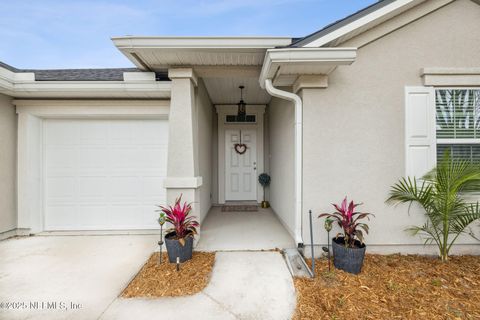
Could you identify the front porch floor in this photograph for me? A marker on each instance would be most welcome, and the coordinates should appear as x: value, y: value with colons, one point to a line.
x: 240, y: 231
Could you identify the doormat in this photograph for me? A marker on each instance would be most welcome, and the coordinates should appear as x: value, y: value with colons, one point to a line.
x: 239, y: 208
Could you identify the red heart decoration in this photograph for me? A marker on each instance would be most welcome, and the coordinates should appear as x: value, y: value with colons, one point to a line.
x: 240, y: 148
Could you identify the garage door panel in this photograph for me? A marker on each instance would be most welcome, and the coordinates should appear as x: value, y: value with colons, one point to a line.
x: 151, y: 185
x: 70, y: 133
x: 61, y: 187
x: 60, y: 157
x: 125, y: 157
x: 92, y: 217
x: 153, y: 158
x: 126, y: 187
x: 93, y: 133
x: 92, y: 188
x: 60, y: 217
x: 152, y: 135
x: 109, y: 177
x: 126, y: 216
x: 92, y: 157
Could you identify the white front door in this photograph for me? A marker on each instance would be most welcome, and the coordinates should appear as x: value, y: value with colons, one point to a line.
x: 240, y: 168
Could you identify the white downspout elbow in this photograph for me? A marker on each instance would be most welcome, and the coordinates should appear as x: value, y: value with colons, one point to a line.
x: 298, y: 153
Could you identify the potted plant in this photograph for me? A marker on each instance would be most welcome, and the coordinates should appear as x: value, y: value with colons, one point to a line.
x: 349, y: 247
x: 264, y: 180
x: 179, y: 238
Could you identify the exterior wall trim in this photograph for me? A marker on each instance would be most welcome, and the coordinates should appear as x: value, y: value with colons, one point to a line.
x: 30, y: 155
x: 450, y: 76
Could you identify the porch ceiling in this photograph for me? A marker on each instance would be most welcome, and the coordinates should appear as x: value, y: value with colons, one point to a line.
x: 225, y: 90
x: 160, y: 53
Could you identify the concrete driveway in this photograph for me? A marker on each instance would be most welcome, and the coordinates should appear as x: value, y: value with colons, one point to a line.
x: 83, y: 275
x: 80, y: 277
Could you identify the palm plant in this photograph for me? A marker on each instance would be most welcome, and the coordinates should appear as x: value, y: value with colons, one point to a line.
x: 441, y: 194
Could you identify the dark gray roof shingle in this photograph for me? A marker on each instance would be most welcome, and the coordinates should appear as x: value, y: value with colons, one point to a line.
x: 104, y: 74
x: 82, y: 74
x: 340, y: 23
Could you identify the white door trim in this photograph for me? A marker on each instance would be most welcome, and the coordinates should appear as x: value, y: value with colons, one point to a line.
x: 30, y: 155
x: 222, y: 112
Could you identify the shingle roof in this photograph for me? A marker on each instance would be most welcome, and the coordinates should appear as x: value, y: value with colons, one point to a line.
x: 104, y: 74
x: 8, y: 67
x: 340, y: 23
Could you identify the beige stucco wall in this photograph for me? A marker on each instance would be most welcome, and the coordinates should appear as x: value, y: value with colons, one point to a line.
x: 281, y: 160
x: 354, y: 130
x: 204, y: 110
x: 8, y: 167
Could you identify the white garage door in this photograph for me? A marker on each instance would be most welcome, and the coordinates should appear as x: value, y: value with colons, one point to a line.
x: 104, y: 174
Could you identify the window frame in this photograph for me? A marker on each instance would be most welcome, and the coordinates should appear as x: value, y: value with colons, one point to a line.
x: 453, y: 141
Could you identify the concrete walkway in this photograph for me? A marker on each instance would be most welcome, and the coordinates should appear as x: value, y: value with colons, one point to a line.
x: 244, y: 285
x: 228, y: 231
x: 91, y: 271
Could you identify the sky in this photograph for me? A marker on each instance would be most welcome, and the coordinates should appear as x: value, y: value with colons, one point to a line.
x: 56, y: 34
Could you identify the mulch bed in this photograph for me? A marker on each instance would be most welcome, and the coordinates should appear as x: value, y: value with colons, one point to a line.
x: 393, y: 287
x: 163, y: 280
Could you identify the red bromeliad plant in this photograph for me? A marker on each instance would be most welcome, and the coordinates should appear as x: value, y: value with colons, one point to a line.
x: 347, y: 218
x: 183, y: 224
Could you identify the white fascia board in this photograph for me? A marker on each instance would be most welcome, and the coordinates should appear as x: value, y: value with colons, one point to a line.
x: 86, y: 87
x: 132, y: 42
x: 139, y: 76
x: 7, y: 81
x: 370, y: 18
x: 275, y: 58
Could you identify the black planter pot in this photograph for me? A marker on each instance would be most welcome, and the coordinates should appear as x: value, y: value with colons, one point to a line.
x: 175, y: 249
x: 348, y: 259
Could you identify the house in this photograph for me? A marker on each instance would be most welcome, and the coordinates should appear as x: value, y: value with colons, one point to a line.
x: 346, y: 110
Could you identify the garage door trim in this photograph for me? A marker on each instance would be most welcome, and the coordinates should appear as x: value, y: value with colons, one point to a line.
x: 31, y: 116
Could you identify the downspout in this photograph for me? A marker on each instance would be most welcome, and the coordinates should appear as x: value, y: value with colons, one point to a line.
x: 298, y: 153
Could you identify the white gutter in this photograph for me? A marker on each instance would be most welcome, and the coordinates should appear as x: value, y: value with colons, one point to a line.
x: 203, y: 43
x: 298, y: 153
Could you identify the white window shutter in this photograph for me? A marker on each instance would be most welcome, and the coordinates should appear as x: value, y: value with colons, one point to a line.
x: 420, y: 130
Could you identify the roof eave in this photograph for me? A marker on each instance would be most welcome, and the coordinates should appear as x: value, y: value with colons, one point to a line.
x: 261, y: 42
x: 192, y: 51
x: 364, y: 19
x: 135, y: 84
x: 319, y: 61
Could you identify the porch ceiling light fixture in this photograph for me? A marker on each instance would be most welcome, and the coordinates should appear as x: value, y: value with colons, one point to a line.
x: 242, y: 106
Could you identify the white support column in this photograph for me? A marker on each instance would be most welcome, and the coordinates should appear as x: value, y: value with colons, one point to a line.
x: 183, y: 168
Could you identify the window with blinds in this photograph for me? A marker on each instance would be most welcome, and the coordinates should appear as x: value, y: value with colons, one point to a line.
x: 458, y: 123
